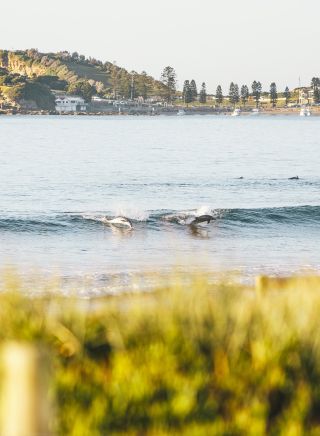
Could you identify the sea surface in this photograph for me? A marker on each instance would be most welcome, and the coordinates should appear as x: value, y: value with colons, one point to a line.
x: 61, y: 176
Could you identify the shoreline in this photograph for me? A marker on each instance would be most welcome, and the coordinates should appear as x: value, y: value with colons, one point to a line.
x: 315, y: 111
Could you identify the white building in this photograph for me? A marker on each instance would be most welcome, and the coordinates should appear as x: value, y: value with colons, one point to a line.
x: 70, y: 103
x: 305, y: 96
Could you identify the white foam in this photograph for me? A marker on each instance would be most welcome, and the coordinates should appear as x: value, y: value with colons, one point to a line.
x: 92, y: 217
x: 132, y: 213
x: 204, y: 210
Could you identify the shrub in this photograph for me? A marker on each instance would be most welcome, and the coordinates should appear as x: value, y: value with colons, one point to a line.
x: 192, y: 359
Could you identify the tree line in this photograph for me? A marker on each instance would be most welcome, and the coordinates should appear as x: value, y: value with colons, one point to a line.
x: 234, y: 96
x: 189, y: 92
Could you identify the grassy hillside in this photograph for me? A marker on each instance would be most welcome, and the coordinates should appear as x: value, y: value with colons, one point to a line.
x: 89, y: 72
x: 106, y: 78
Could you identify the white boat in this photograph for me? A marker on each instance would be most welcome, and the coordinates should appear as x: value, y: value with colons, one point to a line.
x: 305, y: 112
x: 236, y: 113
x: 255, y: 111
x: 181, y: 112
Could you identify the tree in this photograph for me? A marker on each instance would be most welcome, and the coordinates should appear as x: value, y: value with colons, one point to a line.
x: 234, y: 93
x: 203, y: 94
x: 187, y: 92
x: 14, y: 93
x: 194, y: 90
x: 273, y: 94
x: 287, y: 95
x: 315, y: 84
x: 83, y: 89
x: 231, y: 93
x: 133, y: 94
x: 186, y: 85
x: 316, y: 95
x: 219, y: 95
x: 236, y: 96
x: 169, y: 80
x: 124, y: 83
x: 143, y: 85
x: 188, y: 98
x: 114, y: 76
x: 256, y: 91
x: 100, y: 88
x: 244, y: 94
x: 32, y: 91
x: 53, y: 82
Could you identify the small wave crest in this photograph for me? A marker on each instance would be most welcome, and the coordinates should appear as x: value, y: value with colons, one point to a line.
x: 187, y: 216
x: 32, y: 224
x: 132, y: 213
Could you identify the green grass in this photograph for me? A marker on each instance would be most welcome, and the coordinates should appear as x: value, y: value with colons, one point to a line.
x: 89, y: 72
x: 189, y: 359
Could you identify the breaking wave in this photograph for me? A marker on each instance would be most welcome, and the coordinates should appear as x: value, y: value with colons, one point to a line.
x: 258, y: 217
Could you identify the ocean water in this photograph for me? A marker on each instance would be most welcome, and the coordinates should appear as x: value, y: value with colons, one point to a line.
x: 61, y: 176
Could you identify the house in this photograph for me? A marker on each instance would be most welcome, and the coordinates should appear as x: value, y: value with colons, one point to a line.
x: 70, y: 103
x: 305, y: 95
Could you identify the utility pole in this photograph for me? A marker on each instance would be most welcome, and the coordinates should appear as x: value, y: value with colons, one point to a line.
x: 132, y: 84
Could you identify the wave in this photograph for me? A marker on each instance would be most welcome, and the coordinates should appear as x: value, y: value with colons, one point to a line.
x: 23, y: 224
x: 255, y: 217
x: 293, y: 215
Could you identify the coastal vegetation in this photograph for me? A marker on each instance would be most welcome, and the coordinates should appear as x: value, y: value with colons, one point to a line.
x: 203, y: 94
x: 273, y: 94
x: 193, y: 357
x: 31, y: 79
x: 219, y: 95
x: 18, y: 88
x: 77, y: 74
x: 244, y: 94
x: 169, y: 80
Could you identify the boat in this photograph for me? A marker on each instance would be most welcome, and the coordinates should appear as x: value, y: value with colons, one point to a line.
x: 255, y: 111
x: 236, y: 113
x: 305, y: 112
x: 181, y: 112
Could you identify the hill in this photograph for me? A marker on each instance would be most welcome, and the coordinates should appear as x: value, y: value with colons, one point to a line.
x: 105, y: 79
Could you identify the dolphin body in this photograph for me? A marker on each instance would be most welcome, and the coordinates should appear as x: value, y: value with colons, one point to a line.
x: 120, y: 221
x: 202, y: 219
x: 294, y: 178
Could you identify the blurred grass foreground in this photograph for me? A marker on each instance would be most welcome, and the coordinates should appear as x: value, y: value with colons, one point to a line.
x: 190, y: 358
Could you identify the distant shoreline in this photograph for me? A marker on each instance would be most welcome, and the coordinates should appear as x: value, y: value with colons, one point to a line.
x: 315, y: 111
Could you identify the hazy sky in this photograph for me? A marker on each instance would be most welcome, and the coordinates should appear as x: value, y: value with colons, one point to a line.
x: 208, y: 40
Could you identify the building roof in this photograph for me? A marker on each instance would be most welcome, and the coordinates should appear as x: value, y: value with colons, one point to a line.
x: 69, y: 97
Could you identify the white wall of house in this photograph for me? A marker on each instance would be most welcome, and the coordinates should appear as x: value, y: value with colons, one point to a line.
x: 306, y: 96
x: 70, y: 104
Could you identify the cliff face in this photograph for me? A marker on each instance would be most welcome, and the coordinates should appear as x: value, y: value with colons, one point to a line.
x: 33, y: 64
x: 17, y: 65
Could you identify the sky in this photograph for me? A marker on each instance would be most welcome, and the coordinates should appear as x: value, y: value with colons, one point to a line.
x: 211, y: 41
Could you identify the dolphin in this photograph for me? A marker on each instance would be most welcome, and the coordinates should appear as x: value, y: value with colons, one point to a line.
x: 202, y: 219
x: 294, y: 178
x: 120, y: 221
